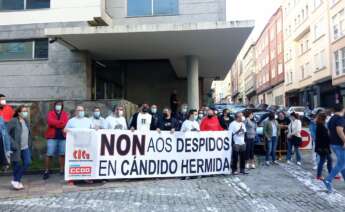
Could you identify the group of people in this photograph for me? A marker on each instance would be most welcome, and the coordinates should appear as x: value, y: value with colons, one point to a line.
x: 16, y: 137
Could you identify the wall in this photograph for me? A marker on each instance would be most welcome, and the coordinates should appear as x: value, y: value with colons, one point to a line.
x: 59, y: 11
x: 63, y: 76
x: 189, y: 11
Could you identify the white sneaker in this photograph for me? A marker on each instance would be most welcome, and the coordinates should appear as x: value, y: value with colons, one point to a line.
x: 20, y: 185
x: 253, y: 166
x: 267, y: 163
x: 299, y: 163
x: 247, y: 166
x: 288, y: 161
x: 15, y: 185
x: 314, y: 167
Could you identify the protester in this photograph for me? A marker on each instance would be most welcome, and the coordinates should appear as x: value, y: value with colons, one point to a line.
x: 336, y: 127
x: 142, y: 120
x: 250, y: 136
x: 294, y: 138
x: 20, y: 134
x: 168, y: 123
x: 283, y: 122
x: 312, y: 130
x: 237, y: 130
x: 6, y: 111
x: 174, y: 102
x: 322, y: 145
x: 116, y: 120
x: 79, y: 121
x: 211, y: 122
x: 156, y: 117
x: 182, y: 115
x: 5, y: 145
x: 191, y: 124
x: 225, y: 119
x: 98, y: 122
x: 271, y: 132
x: 56, y: 139
x: 200, y: 116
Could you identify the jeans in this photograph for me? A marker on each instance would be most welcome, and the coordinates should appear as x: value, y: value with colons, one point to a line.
x: 18, y: 169
x: 56, y: 146
x: 340, y: 166
x: 322, y: 160
x: 238, y: 151
x: 271, y: 148
x: 289, y: 151
x: 250, y: 148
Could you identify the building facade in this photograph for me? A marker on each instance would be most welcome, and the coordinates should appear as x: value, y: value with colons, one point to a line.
x: 106, y: 49
x: 249, y: 69
x: 269, y: 54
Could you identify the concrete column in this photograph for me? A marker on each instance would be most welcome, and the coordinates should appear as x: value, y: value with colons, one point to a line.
x: 193, y: 81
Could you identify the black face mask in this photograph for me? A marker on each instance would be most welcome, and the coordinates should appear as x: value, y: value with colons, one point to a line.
x: 209, y: 116
x: 1, y: 106
x: 165, y: 115
x: 145, y: 110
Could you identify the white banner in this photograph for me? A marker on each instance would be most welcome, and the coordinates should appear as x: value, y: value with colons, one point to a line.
x: 115, y: 154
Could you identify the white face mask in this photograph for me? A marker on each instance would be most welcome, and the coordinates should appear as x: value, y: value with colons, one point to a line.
x: 3, y: 102
x: 243, y: 118
x: 120, y: 113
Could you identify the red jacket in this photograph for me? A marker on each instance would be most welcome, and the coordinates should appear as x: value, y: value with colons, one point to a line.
x: 210, y: 124
x: 7, y: 113
x: 54, y: 123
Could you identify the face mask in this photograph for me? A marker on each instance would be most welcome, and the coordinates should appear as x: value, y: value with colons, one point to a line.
x: 165, y: 115
x: 184, y: 110
x: 145, y: 110
x: 120, y: 113
x: 24, y: 114
x: 209, y: 115
x: 3, y: 102
x: 243, y: 118
x: 201, y: 115
x: 58, y: 107
x: 81, y: 114
x: 196, y: 117
x: 154, y: 110
x: 97, y: 114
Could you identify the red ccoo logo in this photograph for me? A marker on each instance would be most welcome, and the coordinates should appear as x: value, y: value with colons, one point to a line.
x: 81, y: 154
x: 80, y: 170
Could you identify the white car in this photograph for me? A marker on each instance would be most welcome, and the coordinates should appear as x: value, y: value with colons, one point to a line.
x: 297, y: 109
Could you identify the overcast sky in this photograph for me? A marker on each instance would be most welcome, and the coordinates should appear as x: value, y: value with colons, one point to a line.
x: 258, y: 10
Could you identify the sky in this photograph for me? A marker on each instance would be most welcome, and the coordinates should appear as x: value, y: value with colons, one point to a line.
x: 258, y: 10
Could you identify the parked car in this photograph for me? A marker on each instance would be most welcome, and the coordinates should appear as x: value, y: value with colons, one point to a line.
x: 297, y: 109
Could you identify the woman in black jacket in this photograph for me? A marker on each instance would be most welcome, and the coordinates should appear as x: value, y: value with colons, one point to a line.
x: 322, y: 145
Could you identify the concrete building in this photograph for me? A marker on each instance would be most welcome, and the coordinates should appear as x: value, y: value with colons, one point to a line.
x: 249, y: 68
x: 123, y: 49
x: 337, y: 38
x: 307, y: 47
x: 269, y: 54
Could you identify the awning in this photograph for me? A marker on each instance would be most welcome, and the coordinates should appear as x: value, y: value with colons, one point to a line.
x: 216, y: 44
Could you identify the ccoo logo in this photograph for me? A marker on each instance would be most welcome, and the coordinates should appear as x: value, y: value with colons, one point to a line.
x: 81, y: 155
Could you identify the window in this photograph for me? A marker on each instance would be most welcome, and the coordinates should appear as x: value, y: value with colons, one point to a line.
x: 280, y: 68
x: 338, y: 26
x: 336, y: 63
x: 317, y: 3
x: 319, y: 29
x: 23, y: 4
x: 24, y: 50
x: 302, y: 72
x: 319, y: 60
x: 152, y: 7
x: 339, y: 62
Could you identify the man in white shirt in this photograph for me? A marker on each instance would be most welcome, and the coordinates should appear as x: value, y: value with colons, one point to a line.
x: 142, y: 120
x: 237, y: 130
x: 117, y: 120
x: 79, y: 120
x: 98, y: 122
x: 191, y: 124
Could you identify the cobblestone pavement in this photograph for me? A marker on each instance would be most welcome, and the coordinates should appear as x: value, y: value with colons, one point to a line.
x: 276, y: 188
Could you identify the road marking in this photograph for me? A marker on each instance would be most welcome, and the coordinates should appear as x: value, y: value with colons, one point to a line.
x: 242, y: 190
x: 308, y: 179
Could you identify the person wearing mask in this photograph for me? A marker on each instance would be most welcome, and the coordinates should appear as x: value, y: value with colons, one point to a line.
x: 283, y: 122
x: 211, y: 122
x: 225, y: 119
x: 182, y: 115
x: 336, y: 127
x: 322, y: 145
x: 250, y: 139
x: 98, y: 122
x: 237, y: 130
x: 312, y: 130
x: 200, y: 116
x: 79, y: 121
x: 294, y: 138
x: 174, y: 102
x: 6, y: 111
x: 116, y: 120
x: 5, y: 145
x: 271, y: 132
x: 156, y: 117
x: 191, y: 124
x: 21, y: 144
x: 168, y: 123
x: 56, y: 139
x: 142, y: 120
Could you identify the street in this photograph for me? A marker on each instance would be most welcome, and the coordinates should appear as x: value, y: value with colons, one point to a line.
x: 276, y: 188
